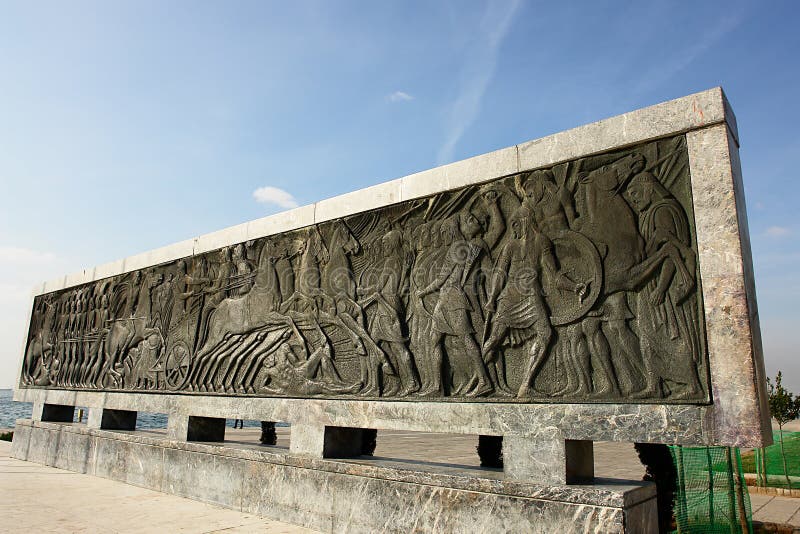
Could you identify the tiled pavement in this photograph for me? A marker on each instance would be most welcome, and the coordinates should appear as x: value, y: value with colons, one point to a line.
x: 772, y: 509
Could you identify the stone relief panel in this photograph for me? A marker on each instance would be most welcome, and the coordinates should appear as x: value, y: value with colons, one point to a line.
x: 576, y: 283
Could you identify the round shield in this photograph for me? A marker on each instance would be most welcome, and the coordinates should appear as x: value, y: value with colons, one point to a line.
x: 579, y: 261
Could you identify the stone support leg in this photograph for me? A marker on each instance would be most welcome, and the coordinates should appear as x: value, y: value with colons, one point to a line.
x: 56, y: 413
x: 111, y: 419
x: 547, y: 458
x: 191, y: 428
x: 326, y: 441
x: 307, y: 439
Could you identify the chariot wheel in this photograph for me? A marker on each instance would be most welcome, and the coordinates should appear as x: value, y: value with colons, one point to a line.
x: 176, y: 366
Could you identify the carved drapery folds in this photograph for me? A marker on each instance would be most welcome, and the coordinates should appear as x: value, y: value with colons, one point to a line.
x: 569, y: 284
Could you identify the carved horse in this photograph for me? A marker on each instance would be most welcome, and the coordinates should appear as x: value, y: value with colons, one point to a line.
x: 234, y: 317
x: 127, y: 331
x: 337, y: 276
x: 225, y: 352
x: 608, y: 221
x: 39, y: 348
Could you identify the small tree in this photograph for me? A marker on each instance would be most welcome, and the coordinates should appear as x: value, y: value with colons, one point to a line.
x: 784, y: 407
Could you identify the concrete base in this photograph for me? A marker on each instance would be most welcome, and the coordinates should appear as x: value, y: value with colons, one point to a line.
x: 357, y: 495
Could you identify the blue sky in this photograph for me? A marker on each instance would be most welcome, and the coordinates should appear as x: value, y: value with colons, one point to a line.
x: 125, y: 126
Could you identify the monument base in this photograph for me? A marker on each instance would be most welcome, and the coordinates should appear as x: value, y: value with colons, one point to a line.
x: 358, y: 495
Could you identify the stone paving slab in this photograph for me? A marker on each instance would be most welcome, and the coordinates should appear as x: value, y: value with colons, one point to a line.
x: 776, y: 509
x: 36, y: 498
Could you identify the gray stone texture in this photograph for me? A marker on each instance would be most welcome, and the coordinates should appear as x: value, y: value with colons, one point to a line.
x: 684, y: 425
x: 740, y: 415
x: 338, y: 496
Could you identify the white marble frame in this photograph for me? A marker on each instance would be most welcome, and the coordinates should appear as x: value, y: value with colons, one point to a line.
x: 738, y: 415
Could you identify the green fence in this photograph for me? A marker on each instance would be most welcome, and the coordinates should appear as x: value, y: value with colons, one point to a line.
x: 711, y: 495
x: 768, y: 463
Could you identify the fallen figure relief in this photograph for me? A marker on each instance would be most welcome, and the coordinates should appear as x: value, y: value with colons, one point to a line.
x: 573, y: 283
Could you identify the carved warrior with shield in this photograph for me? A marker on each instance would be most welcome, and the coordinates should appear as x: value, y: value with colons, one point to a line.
x: 569, y: 283
x: 516, y: 296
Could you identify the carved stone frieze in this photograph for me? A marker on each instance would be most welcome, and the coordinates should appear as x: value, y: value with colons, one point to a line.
x: 573, y: 283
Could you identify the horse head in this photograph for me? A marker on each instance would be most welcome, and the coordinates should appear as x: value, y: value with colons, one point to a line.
x: 343, y: 238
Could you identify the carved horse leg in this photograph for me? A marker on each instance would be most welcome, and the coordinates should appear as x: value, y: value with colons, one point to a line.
x: 208, y: 368
x: 227, y: 375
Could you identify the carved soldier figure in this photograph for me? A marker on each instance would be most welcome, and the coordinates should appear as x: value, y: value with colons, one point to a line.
x: 451, y: 316
x: 267, y: 278
x: 242, y: 280
x: 216, y: 292
x: 180, y: 291
x: 150, y: 361
x: 386, y: 326
x: 288, y: 372
x: 80, y: 312
x: 308, y: 277
x: 516, y: 295
x: 420, y: 318
x: 285, y: 251
x: 40, y: 348
x: 549, y: 205
x: 667, y: 311
x: 337, y: 275
x: 163, y: 302
x: 97, y: 307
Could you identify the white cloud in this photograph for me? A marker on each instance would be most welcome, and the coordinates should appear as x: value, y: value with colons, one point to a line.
x: 399, y: 96
x: 274, y: 195
x: 478, y: 69
x: 25, y: 256
x: 777, y: 231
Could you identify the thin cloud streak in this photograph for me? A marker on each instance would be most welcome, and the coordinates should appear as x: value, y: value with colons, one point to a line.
x: 275, y: 195
x: 477, y: 73
x: 664, y: 71
x: 399, y: 96
x: 777, y: 231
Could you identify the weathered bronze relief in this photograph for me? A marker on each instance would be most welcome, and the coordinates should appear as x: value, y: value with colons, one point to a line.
x: 569, y: 284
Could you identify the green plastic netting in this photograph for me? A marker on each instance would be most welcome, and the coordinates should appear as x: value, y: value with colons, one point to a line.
x: 768, y: 463
x: 711, y: 495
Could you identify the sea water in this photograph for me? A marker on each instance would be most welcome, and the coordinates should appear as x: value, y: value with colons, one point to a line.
x: 11, y: 410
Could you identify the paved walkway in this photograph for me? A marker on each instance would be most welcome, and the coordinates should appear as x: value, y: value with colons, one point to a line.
x: 44, y: 499
x: 36, y: 498
x: 772, y: 509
